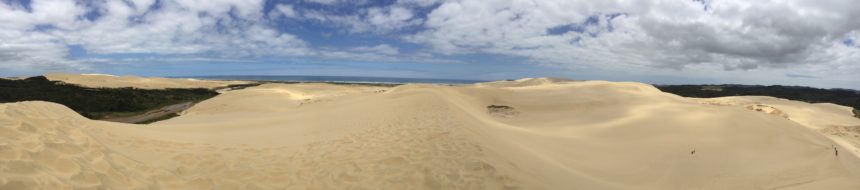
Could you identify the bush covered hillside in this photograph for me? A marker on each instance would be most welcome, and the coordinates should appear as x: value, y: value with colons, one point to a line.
x: 97, y: 103
x: 845, y: 97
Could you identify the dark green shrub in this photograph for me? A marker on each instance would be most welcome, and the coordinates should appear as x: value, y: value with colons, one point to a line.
x: 96, y: 103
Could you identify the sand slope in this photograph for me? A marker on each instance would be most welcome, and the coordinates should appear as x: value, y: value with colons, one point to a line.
x: 111, y: 81
x: 834, y: 121
x: 541, y: 135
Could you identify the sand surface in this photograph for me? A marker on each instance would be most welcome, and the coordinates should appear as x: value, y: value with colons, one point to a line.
x: 152, y: 115
x: 111, y: 81
x: 525, y: 134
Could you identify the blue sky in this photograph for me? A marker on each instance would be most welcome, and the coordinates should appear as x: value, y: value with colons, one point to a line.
x: 653, y: 41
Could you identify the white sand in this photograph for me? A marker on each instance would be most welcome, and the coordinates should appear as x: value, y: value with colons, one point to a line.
x: 564, y: 135
x: 111, y: 81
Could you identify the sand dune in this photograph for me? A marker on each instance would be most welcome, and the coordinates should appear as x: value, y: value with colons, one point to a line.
x: 525, y: 134
x: 111, y: 81
x: 524, y: 82
x: 834, y: 121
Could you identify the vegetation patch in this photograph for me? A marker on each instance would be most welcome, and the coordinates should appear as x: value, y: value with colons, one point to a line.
x: 98, y: 103
x: 238, y: 86
x: 502, y: 111
x: 845, y: 97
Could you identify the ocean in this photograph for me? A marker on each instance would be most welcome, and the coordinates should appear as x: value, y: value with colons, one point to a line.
x: 346, y: 79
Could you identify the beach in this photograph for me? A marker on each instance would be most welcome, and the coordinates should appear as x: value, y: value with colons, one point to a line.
x: 533, y: 133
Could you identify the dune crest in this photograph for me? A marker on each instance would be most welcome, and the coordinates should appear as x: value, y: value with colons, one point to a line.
x: 525, y: 82
x: 524, y: 134
x: 111, y: 81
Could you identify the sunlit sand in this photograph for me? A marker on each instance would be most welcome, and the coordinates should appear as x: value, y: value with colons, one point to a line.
x: 527, y: 134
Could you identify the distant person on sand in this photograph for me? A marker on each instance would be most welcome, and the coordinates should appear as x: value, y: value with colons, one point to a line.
x: 835, y: 151
x: 693, y: 152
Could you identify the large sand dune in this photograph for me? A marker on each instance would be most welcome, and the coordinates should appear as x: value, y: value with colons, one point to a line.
x: 526, y: 134
x: 111, y: 81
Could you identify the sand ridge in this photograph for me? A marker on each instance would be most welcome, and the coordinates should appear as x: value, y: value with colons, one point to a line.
x: 111, y: 81
x: 565, y: 135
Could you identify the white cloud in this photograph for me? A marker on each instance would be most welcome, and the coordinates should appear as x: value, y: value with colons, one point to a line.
x: 186, y: 27
x: 733, y: 35
x: 286, y: 10
x: 223, y: 28
x: 383, y: 49
x: 22, y: 51
x: 380, y: 53
x: 377, y: 19
x: 746, y: 40
x: 388, y: 19
x: 59, y: 13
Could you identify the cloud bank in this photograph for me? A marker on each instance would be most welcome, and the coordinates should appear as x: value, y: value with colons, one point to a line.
x: 752, y: 40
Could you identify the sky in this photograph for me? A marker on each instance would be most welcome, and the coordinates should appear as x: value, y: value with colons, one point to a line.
x: 787, y: 42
